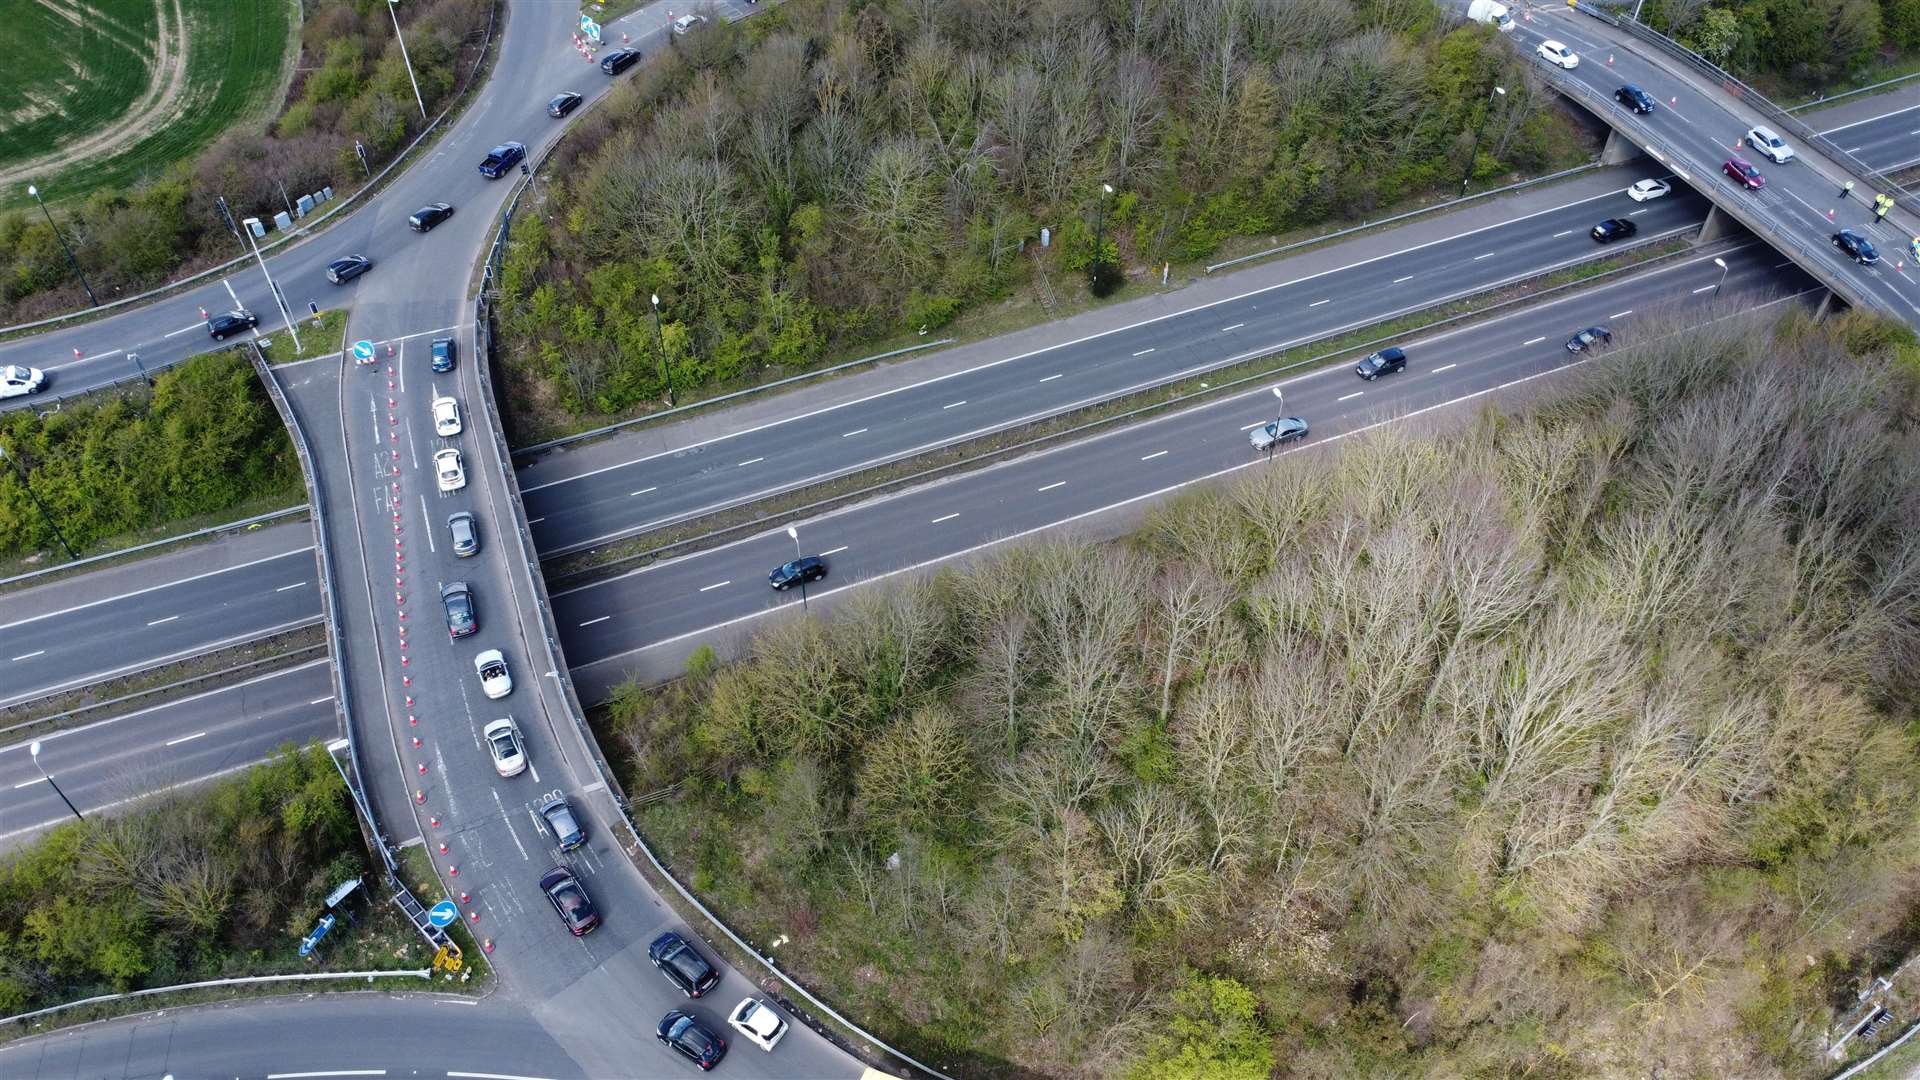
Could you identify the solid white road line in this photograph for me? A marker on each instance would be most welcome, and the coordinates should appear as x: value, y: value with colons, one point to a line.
x: 1235, y: 326
x: 1143, y: 352
x: 947, y: 517
x: 834, y: 551
x: 29, y: 783
x: 1443, y: 367
x: 1050, y: 378
x: 1488, y: 255
x: 295, y: 585
x: 151, y: 588
x: 1558, y: 235
x: 1055, y: 484
x: 168, y: 619
x: 955, y: 405
x: 1345, y: 397
x: 321, y: 700
x: 1398, y: 280
x: 750, y: 461
x: 601, y: 619
x: 29, y: 656
x: 336, y: 1072
x: 1317, y: 303
x: 1155, y: 454
x: 1533, y: 341
x: 644, y: 490
x: 1704, y: 288
x: 851, y: 434
x: 538, y: 520
x: 1621, y: 314
x: 427, y: 519
x: 182, y: 330
x: 716, y: 585
x: 490, y: 1076
x: 185, y: 738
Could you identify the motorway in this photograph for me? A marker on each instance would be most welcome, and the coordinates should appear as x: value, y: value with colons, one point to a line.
x: 609, y: 625
x: 1701, y: 125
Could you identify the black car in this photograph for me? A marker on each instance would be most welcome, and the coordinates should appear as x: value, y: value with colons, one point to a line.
x: 689, y: 1038
x: 466, y: 534
x: 798, y: 572
x: 619, y: 60
x: 683, y: 967
x: 231, y: 322
x: 1858, y: 248
x: 428, y: 216
x: 347, y: 267
x: 559, y: 816
x: 570, y: 899
x: 1384, y: 362
x: 501, y: 158
x: 563, y: 103
x: 1634, y: 98
x: 1614, y: 228
x: 458, y: 599
x: 446, y: 353
x: 1591, y: 337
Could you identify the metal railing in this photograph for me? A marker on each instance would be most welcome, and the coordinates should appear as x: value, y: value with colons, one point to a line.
x: 243, y: 523
x: 251, y: 980
x: 373, y: 183
x: 323, y: 561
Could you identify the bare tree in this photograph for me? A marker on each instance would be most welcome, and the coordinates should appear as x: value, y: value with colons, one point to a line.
x: 1188, y: 604
x: 1152, y: 837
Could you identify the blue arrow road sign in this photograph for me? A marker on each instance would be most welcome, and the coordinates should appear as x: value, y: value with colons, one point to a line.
x: 443, y: 913
x: 363, y: 351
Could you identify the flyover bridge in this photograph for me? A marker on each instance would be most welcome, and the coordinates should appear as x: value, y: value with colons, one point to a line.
x: 1700, y: 120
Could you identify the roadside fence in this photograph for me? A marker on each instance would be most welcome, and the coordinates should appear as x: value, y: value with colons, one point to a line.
x: 254, y: 980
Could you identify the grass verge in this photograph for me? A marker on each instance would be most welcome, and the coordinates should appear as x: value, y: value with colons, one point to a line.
x: 568, y: 571
x: 318, y: 337
x: 160, y: 684
x: 476, y: 972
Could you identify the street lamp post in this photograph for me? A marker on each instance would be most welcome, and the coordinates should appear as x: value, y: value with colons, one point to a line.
x: 660, y: 341
x: 42, y: 507
x: 795, y: 533
x: 1722, y: 264
x: 394, y: 10
x: 1498, y: 92
x: 1279, y: 414
x: 140, y: 367
x: 278, y: 300
x: 33, y: 748
x: 58, y: 235
x: 1099, y: 234
x: 360, y: 149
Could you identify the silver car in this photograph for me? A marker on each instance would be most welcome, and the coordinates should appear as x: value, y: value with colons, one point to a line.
x: 1277, y: 432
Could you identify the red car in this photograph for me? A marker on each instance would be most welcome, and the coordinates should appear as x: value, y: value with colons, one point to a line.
x: 1742, y: 172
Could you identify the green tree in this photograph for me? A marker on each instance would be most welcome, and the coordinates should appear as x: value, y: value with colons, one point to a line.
x: 1213, y: 1032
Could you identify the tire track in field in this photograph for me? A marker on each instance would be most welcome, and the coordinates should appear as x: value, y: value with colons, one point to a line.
x: 163, y: 101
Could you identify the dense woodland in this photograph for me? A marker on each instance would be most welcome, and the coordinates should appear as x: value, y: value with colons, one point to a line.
x: 204, y: 439
x: 1805, y: 44
x: 350, y: 84
x: 1579, y: 742
x: 218, y: 882
x: 831, y: 171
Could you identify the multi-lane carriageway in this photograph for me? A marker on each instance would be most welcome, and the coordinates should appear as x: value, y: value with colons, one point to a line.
x: 612, y: 625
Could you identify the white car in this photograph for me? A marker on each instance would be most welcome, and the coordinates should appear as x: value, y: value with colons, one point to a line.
x: 1765, y: 142
x: 503, y: 742
x: 687, y: 22
x: 446, y: 417
x: 452, y: 474
x: 491, y: 666
x: 1555, y: 53
x: 757, y: 1021
x: 1643, y: 190
x: 19, y: 381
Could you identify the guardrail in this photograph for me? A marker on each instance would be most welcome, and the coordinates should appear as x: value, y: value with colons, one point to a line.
x: 252, y: 980
x: 1402, y: 216
x: 323, y: 562
x: 373, y: 183
x: 1629, y: 126
x: 556, y: 662
x: 1733, y: 86
x: 243, y: 523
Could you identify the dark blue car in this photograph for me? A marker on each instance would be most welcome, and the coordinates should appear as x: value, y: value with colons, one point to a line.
x: 501, y: 158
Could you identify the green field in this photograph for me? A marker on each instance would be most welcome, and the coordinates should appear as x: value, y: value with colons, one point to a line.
x: 102, y: 92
